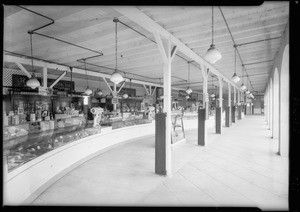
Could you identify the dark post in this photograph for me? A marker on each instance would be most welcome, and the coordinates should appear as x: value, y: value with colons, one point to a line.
x: 218, y: 120
x: 239, y: 112
x: 207, y: 110
x: 233, y: 114
x: 227, y: 117
x: 160, y: 143
x: 201, y: 127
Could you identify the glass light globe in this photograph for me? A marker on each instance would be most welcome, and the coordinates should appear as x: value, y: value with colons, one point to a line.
x: 213, y: 95
x: 88, y: 91
x: 33, y: 82
x: 187, y: 97
x: 100, y: 93
x: 235, y: 78
x: 189, y: 90
x: 213, y: 54
x: 116, y: 77
x: 243, y: 87
x: 125, y: 95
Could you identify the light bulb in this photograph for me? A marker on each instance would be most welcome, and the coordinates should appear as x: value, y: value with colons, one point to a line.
x: 189, y: 90
x: 235, y: 78
x: 213, y: 54
x: 243, y: 87
x: 116, y: 77
x: 88, y: 91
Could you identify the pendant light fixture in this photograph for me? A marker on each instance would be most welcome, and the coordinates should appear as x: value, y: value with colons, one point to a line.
x: 87, y: 91
x: 32, y: 82
x: 235, y: 78
x: 212, y: 83
x: 187, y: 96
x: 188, y: 90
x: 243, y: 87
x: 213, y: 54
x: 99, y: 91
x: 116, y: 77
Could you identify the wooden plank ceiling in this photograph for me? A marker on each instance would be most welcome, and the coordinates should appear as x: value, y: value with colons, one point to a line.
x: 93, y: 27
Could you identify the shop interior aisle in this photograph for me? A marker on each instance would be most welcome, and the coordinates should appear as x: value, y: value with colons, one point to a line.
x: 238, y: 168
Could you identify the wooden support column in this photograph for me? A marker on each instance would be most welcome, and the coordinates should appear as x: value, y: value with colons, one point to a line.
x: 114, y: 93
x: 228, y: 108
x: 218, y: 116
x: 233, y: 108
x: 167, y: 55
x: 45, y: 76
x: 202, y: 129
x: 229, y: 103
x: 204, y: 88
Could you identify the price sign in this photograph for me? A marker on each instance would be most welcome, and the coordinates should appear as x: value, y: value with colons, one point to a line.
x: 114, y: 101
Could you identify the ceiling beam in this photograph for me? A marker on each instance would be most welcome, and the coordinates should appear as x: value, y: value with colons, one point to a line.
x: 147, y: 23
x: 37, y: 63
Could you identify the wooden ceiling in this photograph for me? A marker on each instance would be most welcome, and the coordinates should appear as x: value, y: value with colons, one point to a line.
x: 253, y: 29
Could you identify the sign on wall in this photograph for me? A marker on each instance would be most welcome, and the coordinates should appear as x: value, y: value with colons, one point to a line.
x: 62, y: 85
x: 128, y: 91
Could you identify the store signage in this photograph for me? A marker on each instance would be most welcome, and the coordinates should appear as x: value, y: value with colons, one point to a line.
x: 62, y: 85
x: 45, y: 91
x: 130, y: 91
x: 114, y: 101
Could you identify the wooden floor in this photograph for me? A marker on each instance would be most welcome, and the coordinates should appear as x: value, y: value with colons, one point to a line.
x: 239, y: 168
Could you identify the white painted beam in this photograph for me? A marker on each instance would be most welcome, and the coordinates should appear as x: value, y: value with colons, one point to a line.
x: 121, y: 86
x: 168, y: 106
x: 146, y: 22
x: 160, y: 46
x: 220, y: 94
x: 229, y: 95
x: 45, y: 76
x: 107, y: 84
x: 146, y: 89
x: 153, y: 91
x: 23, y: 69
x: 234, y: 96
x: 173, y: 52
x: 57, y: 80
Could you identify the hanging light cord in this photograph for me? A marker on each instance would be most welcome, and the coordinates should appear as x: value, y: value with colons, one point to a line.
x: 212, y: 20
x: 31, y: 50
x: 116, y: 33
x: 235, y: 60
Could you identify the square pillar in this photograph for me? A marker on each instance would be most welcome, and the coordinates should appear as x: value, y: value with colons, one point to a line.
x: 229, y: 105
x: 227, y: 116
x: 204, y: 88
x: 202, y: 132
x: 233, y: 114
x: 218, y: 119
x: 239, y: 112
x: 160, y: 143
